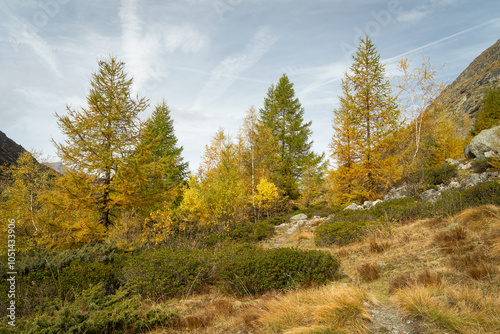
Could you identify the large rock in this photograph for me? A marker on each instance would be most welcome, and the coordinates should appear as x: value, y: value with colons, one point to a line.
x: 486, y: 141
x: 353, y: 206
x: 300, y: 216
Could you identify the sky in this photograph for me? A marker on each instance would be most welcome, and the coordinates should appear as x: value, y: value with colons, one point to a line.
x: 211, y: 60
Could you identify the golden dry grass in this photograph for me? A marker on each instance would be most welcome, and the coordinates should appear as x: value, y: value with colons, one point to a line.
x: 330, y: 308
x: 460, y: 309
x: 368, y: 271
x: 445, y: 274
x: 479, y: 216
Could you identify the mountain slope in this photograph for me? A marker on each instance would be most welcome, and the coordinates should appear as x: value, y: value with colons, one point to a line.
x: 9, y: 150
x: 464, y: 95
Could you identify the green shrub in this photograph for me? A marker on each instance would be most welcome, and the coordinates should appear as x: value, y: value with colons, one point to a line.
x: 80, y: 275
x: 489, y: 114
x: 339, y: 232
x: 46, y: 259
x: 277, y: 220
x: 482, y: 165
x: 250, y: 231
x: 454, y: 201
x: 38, y: 287
x: 402, y: 209
x: 166, y: 273
x: 93, y: 311
x: 248, y: 269
x: 440, y: 174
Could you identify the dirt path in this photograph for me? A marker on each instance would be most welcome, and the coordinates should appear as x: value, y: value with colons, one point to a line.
x: 386, y: 318
x: 297, y: 233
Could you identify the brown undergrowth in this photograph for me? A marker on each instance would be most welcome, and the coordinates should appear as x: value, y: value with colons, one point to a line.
x: 441, y: 273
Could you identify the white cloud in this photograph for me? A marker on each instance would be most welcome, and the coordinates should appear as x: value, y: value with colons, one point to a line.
x: 229, y: 69
x: 22, y: 32
x: 319, y: 77
x: 184, y: 38
x: 424, y: 9
x: 141, y: 50
x: 414, y: 15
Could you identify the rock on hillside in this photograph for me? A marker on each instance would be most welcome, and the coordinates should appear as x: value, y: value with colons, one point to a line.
x: 464, y: 95
x: 487, y: 141
x: 9, y: 150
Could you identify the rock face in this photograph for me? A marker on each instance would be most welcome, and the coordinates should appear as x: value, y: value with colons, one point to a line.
x: 485, y: 142
x: 9, y: 150
x: 465, y: 94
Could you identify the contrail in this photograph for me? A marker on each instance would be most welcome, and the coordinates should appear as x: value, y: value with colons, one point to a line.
x: 442, y: 40
x: 326, y: 82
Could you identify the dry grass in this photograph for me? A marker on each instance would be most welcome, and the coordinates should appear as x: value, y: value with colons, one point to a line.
x: 451, y: 239
x: 479, y: 217
x: 305, y: 236
x: 329, y: 309
x: 446, y: 275
x: 368, y: 272
x: 456, y: 308
x: 378, y: 245
x: 424, y: 278
x: 204, y: 313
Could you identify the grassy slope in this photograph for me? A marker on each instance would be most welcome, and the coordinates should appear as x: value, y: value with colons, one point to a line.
x: 436, y: 275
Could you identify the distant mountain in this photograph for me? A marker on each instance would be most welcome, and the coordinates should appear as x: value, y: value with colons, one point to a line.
x: 9, y: 150
x: 57, y: 166
x: 465, y: 94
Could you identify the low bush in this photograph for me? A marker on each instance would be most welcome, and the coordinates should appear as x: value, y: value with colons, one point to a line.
x: 247, y: 269
x: 80, y: 275
x: 93, y: 311
x: 440, y: 174
x: 402, y: 209
x: 250, y: 231
x: 455, y: 201
x: 166, y: 273
x: 339, y: 232
x: 46, y: 259
x: 39, y: 287
x: 482, y: 165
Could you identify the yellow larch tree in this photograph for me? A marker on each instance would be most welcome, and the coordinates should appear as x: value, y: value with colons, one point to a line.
x: 366, y: 124
x: 215, y: 196
x: 257, y: 154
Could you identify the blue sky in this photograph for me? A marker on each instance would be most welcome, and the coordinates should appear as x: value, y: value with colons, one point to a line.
x: 211, y: 60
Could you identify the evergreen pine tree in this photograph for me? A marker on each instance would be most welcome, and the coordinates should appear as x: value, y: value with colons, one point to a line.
x: 489, y: 115
x: 162, y: 143
x: 283, y: 114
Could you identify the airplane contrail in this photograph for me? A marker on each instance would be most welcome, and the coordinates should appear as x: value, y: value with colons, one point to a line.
x: 442, y: 40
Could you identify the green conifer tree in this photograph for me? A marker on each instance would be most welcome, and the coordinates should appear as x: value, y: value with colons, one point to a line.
x: 489, y: 115
x: 284, y: 115
x: 163, y: 170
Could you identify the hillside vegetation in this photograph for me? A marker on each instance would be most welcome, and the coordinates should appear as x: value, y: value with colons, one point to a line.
x: 127, y: 240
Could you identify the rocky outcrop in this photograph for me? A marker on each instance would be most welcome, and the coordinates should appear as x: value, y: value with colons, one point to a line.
x: 300, y: 216
x: 482, y: 145
x: 464, y: 95
x: 433, y: 194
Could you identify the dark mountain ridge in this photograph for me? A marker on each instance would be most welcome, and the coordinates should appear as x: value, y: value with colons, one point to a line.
x: 465, y: 94
x: 9, y: 150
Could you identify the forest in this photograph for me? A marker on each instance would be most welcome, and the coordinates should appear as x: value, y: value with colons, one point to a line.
x: 108, y: 244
